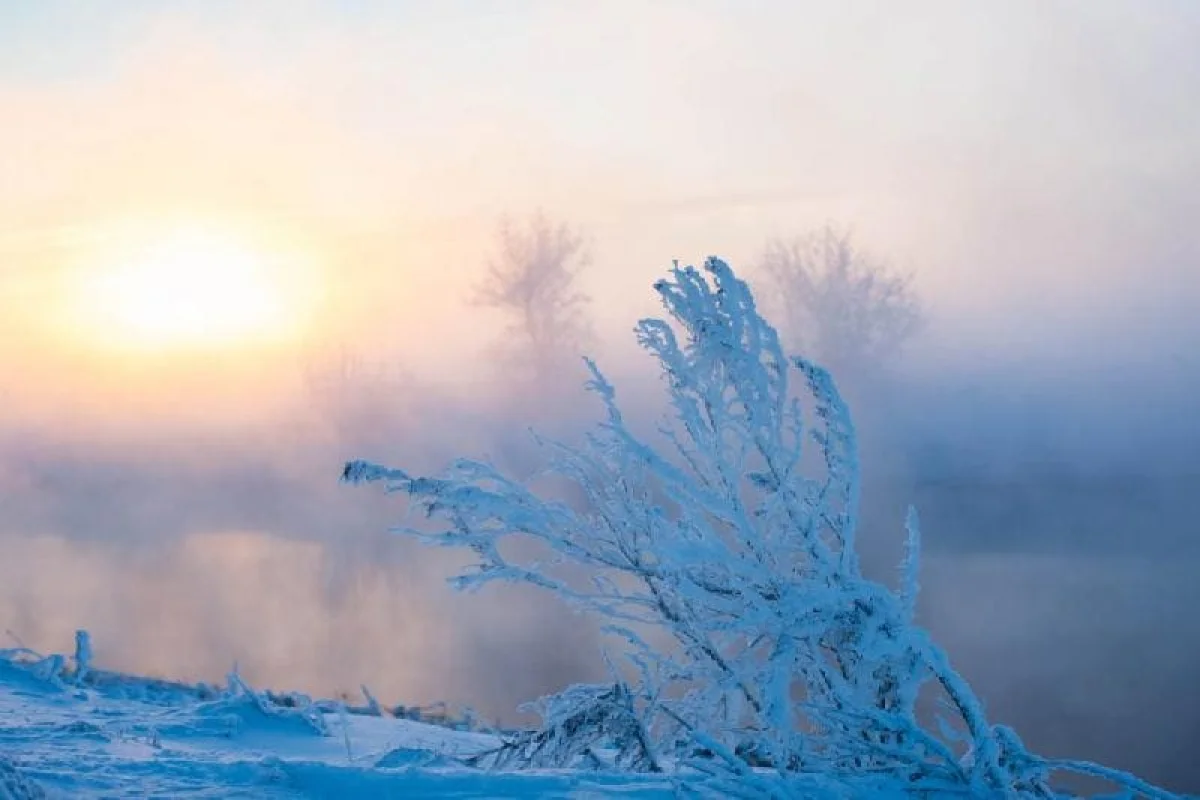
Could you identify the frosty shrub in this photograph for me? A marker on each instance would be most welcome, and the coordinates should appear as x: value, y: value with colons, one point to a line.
x: 576, y: 723
x: 756, y: 657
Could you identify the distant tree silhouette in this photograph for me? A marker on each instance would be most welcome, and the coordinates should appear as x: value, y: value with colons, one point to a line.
x: 532, y: 279
x: 841, y: 306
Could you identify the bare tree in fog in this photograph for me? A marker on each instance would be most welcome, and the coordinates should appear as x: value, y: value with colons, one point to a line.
x: 533, y: 280
x: 842, y: 306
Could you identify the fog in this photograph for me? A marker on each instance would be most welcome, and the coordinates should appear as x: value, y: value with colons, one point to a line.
x: 1034, y: 165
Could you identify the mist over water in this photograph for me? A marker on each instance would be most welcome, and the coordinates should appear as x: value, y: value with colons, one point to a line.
x: 1058, y: 587
x: 183, y: 562
x: 1033, y: 164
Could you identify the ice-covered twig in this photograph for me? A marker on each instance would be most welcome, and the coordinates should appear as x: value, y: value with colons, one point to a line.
x: 725, y: 561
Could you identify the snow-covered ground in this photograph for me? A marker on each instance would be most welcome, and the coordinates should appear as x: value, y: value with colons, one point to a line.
x: 119, y: 736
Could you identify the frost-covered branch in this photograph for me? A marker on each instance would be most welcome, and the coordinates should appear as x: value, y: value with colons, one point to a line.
x: 723, y: 558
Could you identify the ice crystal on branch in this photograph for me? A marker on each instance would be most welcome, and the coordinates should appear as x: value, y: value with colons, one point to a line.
x: 723, y: 557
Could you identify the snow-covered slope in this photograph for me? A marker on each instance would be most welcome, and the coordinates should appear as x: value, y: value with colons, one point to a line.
x: 120, y: 736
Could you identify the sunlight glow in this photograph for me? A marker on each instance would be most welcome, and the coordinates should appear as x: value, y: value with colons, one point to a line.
x: 192, y: 289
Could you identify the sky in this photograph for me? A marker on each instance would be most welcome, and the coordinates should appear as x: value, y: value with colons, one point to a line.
x: 1033, y: 164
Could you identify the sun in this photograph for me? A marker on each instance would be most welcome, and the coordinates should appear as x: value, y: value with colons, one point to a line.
x: 190, y: 288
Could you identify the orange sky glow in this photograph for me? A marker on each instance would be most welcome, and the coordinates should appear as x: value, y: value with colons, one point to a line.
x: 347, y: 170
